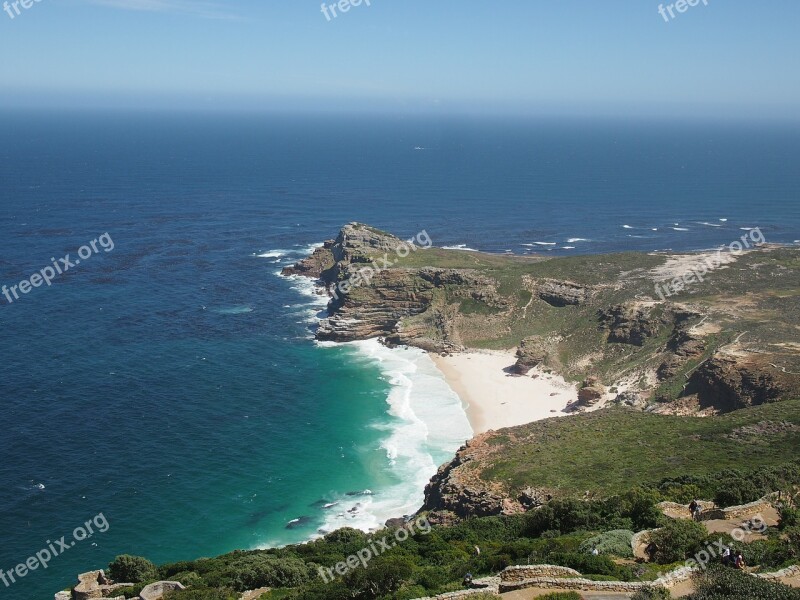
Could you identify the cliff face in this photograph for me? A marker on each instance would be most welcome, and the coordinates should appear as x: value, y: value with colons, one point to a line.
x: 736, y: 382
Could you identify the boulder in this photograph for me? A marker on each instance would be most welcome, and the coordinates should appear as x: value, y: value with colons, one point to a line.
x: 591, y: 392
x: 531, y: 353
x: 156, y: 591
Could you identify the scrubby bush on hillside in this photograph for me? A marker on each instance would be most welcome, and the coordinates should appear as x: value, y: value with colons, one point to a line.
x: 723, y: 583
x: 677, y: 540
x: 617, y: 543
x: 733, y: 486
x: 790, y: 517
x: 132, y: 569
x: 562, y: 596
x: 639, y: 505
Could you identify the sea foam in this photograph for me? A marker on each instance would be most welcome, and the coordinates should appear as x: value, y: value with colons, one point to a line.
x: 426, y: 425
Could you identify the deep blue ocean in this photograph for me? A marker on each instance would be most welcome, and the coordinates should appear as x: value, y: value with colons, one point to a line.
x: 172, y: 384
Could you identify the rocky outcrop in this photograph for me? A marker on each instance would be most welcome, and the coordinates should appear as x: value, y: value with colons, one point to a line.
x: 457, y: 491
x: 683, y: 345
x: 355, y: 244
x: 531, y: 353
x: 728, y: 382
x: 591, y: 392
x: 454, y: 489
x: 563, y: 293
x: 631, y: 399
x: 315, y: 265
x: 633, y: 323
x: 370, y: 297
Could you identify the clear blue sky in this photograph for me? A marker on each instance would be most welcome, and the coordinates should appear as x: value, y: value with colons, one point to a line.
x: 729, y: 58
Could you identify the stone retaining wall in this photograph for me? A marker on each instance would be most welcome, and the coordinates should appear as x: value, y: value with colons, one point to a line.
x: 584, y: 585
x: 711, y: 512
x: 682, y: 510
x: 522, y: 572
x: 587, y: 585
x: 792, y: 571
x: 488, y: 585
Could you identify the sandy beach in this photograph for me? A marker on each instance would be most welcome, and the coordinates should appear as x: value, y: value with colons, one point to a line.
x: 494, y: 398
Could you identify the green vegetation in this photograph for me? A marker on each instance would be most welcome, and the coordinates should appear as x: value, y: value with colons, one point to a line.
x: 562, y: 532
x: 721, y: 583
x: 616, y: 543
x: 132, y: 569
x: 611, y: 450
x: 678, y: 540
x: 562, y: 596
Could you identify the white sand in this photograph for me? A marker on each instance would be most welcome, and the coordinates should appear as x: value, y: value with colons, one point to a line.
x: 494, y: 398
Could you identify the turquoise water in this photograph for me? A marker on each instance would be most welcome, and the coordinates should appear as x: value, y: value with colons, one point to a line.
x: 172, y: 384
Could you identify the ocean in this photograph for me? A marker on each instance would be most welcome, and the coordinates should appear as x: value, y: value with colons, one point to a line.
x: 172, y: 383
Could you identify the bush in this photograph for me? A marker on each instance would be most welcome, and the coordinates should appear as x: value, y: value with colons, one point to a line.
x: 586, y: 563
x: 678, y: 540
x: 790, y: 517
x: 132, y: 569
x: 617, y: 543
x: 562, y: 596
x: 261, y: 570
x: 722, y: 583
x: 640, y: 505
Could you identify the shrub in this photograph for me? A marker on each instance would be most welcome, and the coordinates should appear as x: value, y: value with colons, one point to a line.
x: 640, y: 505
x: 678, y: 540
x: 732, y: 492
x: 722, y: 583
x: 617, y: 542
x: 132, y: 569
x: 261, y: 570
x: 790, y: 517
x: 562, y: 596
x: 585, y: 563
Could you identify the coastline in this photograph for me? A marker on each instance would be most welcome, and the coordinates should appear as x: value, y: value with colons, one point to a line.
x: 493, y: 398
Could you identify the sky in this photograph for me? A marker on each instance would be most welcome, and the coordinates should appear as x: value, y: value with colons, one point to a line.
x: 730, y: 58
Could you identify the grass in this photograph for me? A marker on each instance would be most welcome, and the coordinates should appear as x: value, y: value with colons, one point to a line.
x: 610, y: 451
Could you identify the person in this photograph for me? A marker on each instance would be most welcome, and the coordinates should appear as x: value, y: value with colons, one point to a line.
x: 694, y: 508
x: 726, y: 556
x: 739, y: 564
x: 468, y: 580
x: 651, y: 550
x: 595, y: 551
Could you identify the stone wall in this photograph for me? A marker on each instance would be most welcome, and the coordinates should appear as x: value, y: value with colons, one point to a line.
x: 587, y: 585
x: 682, y: 510
x: 579, y: 584
x: 485, y: 585
x: 711, y: 512
x: 522, y: 572
x: 786, y: 573
x: 93, y: 585
x: 156, y: 591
